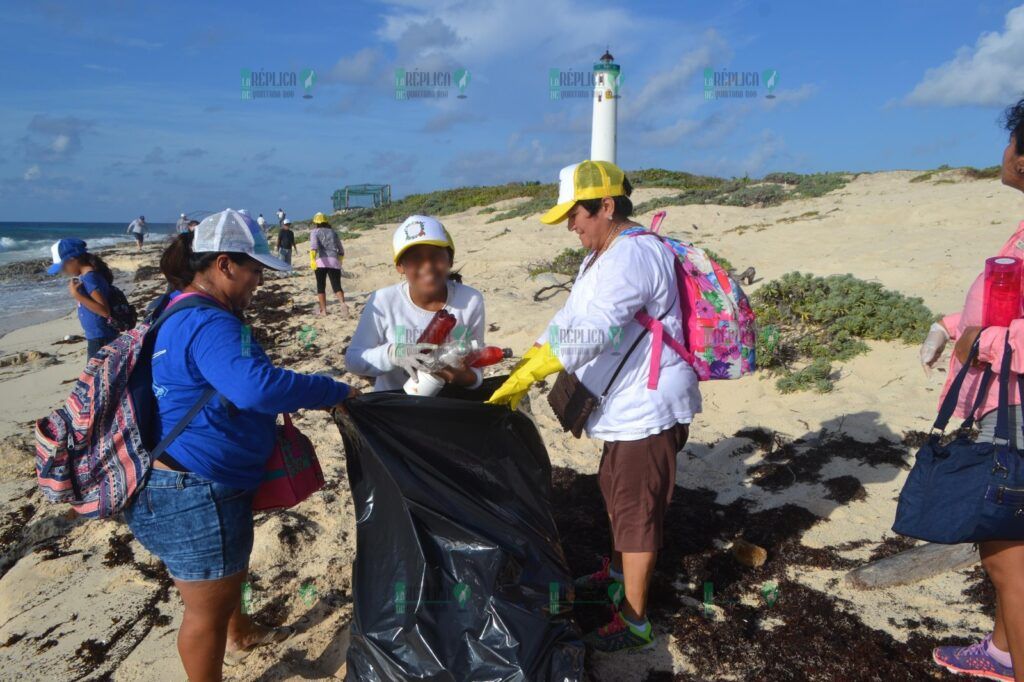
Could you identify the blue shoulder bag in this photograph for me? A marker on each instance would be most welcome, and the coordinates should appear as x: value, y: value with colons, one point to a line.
x: 967, y: 491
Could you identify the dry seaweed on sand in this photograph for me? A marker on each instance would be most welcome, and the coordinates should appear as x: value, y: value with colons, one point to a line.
x: 811, y: 634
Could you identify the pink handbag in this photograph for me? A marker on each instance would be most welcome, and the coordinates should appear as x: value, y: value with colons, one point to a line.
x: 293, y: 471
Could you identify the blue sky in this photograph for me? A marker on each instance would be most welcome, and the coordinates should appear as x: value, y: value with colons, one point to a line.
x: 111, y: 109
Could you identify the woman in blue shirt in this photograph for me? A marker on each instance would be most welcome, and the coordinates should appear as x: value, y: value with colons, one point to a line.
x: 195, y: 510
x: 89, y: 285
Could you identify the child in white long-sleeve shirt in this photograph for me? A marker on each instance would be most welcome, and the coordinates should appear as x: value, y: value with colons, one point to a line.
x: 385, y: 342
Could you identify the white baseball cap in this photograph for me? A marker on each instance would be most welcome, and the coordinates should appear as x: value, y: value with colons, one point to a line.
x: 234, y: 232
x: 420, y: 229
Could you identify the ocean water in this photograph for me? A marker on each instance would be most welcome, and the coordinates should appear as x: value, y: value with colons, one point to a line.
x: 27, y: 241
x: 25, y: 303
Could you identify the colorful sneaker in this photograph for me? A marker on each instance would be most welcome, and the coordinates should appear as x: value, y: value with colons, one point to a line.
x: 972, y: 660
x: 617, y: 635
x: 598, y: 581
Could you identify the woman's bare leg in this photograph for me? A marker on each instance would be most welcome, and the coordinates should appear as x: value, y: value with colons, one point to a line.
x: 1004, y: 563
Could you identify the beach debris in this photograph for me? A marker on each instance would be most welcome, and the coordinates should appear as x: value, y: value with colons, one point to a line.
x: 708, y: 610
x: 912, y: 565
x: 25, y: 357
x: 747, y: 276
x: 69, y: 338
x: 749, y: 554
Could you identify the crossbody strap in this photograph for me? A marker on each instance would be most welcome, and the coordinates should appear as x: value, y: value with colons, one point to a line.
x: 952, y: 396
x: 979, y: 399
x: 636, y: 343
x: 180, y: 426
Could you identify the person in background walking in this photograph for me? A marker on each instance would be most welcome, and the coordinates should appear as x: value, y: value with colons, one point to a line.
x: 182, y: 225
x: 326, y: 245
x: 285, y: 242
x: 262, y: 222
x: 280, y: 217
x: 137, y: 228
x: 89, y: 284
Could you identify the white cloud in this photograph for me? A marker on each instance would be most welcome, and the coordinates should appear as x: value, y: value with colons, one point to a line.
x: 53, y: 138
x: 102, y: 69
x: 360, y: 67
x: 60, y: 143
x: 32, y: 173
x: 785, y: 96
x: 472, y: 33
x: 671, y: 84
x: 989, y: 74
x: 522, y: 160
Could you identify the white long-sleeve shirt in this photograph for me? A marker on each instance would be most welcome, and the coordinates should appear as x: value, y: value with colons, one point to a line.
x: 595, y: 328
x: 390, y: 317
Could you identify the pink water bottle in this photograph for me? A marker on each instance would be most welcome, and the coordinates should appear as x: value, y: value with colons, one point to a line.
x: 1002, y: 301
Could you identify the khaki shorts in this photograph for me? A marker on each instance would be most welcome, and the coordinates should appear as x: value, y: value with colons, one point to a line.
x: 637, y: 478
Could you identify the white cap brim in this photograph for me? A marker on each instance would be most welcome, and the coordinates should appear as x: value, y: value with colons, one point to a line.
x: 271, y: 262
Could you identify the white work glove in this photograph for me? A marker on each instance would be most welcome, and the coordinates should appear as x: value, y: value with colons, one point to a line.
x: 933, y: 345
x: 412, y: 357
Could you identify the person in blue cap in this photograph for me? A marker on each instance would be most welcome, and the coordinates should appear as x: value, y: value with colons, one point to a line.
x: 89, y: 284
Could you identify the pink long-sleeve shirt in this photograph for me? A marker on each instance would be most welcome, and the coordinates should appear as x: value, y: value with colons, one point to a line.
x: 990, y: 349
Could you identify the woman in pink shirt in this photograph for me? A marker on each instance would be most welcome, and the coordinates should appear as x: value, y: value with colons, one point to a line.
x: 992, y: 658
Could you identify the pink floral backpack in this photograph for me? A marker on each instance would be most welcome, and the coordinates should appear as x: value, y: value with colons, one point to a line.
x: 718, y: 323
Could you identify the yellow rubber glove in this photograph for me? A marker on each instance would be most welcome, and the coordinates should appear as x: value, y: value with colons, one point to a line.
x: 539, y: 363
x: 526, y: 358
x: 312, y: 259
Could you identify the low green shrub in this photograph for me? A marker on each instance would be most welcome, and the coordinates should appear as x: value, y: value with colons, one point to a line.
x: 820, y: 184
x: 783, y: 178
x: 816, y: 376
x: 533, y: 206
x: 983, y: 173
x: 802, y: 317
x: 566, y: 263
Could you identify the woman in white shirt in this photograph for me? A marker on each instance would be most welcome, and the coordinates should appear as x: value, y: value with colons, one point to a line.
x: 606, y: 355
x: 385, y: 342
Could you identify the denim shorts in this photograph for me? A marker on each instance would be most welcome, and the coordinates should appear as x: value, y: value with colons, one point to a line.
x: 201, y: 530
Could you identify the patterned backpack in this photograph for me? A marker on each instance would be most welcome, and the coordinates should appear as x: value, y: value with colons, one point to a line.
x: 96, y: 450
x: 718, y: 323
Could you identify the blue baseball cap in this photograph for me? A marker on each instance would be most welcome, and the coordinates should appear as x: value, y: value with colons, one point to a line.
x: 62, y: 250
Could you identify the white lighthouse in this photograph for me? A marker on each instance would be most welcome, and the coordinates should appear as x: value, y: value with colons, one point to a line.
x: 606, y: 91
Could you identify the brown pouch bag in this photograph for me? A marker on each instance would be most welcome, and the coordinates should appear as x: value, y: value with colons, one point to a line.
x: 572, y: 403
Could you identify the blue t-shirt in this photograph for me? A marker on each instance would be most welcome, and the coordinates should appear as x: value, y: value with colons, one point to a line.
x: 201, y: 347
x: 95, y: 326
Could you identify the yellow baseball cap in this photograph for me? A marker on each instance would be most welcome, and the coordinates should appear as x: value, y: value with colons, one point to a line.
x: 420, y: 229
x: 320, y: 219
x: 585, y: 180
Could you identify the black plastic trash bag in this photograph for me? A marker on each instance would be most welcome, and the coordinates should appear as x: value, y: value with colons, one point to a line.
x: 459, y: 571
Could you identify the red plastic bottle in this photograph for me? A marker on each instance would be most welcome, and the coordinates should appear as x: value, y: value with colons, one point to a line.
x: 1002, y: 301
x: 439, y: 327
x: 488, y: 355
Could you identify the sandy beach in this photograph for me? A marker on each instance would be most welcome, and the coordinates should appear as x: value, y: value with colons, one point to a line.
x: 83, y: 600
